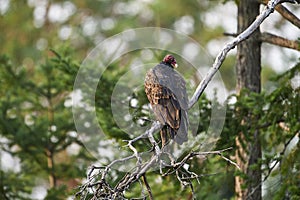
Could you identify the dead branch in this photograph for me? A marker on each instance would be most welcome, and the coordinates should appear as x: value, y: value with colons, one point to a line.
x: 97, y: 180
x: 275, y: 39
x: 148, y: 187
x: 285, y: 13
x: 179, y: 165
x: 104, y: 191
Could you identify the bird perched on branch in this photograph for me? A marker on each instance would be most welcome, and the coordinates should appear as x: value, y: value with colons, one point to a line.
x: 166, y: 91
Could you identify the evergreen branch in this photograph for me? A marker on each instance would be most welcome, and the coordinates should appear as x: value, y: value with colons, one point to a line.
x: 274, y: 164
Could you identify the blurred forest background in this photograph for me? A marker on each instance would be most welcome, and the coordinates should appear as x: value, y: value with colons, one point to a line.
x: 42, y: 44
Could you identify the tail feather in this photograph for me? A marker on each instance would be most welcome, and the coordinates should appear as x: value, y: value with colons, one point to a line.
x: 164, y: 136
x: 180, y: 135
x: 182, y: 132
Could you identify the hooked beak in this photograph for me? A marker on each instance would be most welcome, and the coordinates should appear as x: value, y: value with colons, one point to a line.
x: 174, y: 64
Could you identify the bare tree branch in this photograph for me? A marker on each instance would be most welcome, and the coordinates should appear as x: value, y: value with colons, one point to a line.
x: 103, y: 189
x: 288, y: 15
x: 285, y: 13
x: 276, y: 40
x: 280, y: 41
x: 176, y: 166
x: 148, y: 187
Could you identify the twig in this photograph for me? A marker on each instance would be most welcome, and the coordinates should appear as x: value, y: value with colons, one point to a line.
x: 200, y: 176
x: 148, y: 187
x: 285, y: 13
x: 108, y: 167
x: 176, y: 166
x: 230, y: 161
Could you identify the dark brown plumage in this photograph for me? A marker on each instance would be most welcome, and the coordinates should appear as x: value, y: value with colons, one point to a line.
x: 166, y: 91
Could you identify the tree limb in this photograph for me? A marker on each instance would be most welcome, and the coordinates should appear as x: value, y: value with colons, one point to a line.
x: 276, y: 40
x: 285, y: 13
x: 148, y: 187
x: 280, y: 41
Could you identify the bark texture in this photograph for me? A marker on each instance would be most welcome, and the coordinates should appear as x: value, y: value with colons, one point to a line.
x: 248, y: 70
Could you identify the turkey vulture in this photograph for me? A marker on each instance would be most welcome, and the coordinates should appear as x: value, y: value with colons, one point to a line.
x: 166, y: 91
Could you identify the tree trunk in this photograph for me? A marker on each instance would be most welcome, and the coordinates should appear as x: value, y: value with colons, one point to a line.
x: 50, y: 163
x: 248, y: 70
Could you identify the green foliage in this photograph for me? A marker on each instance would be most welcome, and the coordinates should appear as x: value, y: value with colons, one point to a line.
x: 281, y: 127
x: 289, y: 175
x: 58, y: 193
x: 104, y: 92
x: 35, y: 121
x: 276, y: 115
x: 14, y: 185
